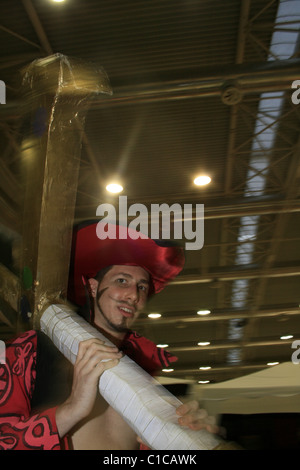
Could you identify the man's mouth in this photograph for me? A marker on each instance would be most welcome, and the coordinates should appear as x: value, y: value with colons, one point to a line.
x: 127, y: 312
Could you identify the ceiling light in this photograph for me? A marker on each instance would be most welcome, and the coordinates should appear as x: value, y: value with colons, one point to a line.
x: 204, y: 343
x: 203, y: 312
x: 287, y: 337
x: 203, y: 381
x: 202, y: 180
x: 58, y: 1
x: 114, y: 188
x: 162, y: 345
x: 167, y: 370
x: 154, y: 315
x: 204, y: 367
x: 272, y: 363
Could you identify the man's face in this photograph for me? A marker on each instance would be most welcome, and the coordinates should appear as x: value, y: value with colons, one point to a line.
x: 120, y: 297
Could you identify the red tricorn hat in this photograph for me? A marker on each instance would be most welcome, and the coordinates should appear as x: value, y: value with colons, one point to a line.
x: 122, y: 246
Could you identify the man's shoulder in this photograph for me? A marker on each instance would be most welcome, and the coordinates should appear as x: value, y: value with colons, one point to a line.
x: 26, y: 339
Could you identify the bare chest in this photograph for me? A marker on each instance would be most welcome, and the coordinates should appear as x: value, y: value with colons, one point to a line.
x: 104, y: 429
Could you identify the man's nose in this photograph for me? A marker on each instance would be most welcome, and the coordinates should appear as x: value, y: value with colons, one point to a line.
x: 133, y: 293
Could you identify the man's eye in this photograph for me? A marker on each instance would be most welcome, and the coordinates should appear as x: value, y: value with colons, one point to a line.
x: 121, y: 280
x: 144, y: 288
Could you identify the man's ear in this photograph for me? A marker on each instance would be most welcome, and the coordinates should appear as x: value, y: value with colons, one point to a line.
x: 93, y: 285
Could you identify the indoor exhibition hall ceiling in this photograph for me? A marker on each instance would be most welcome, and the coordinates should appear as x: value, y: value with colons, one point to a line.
x: 199, y: 88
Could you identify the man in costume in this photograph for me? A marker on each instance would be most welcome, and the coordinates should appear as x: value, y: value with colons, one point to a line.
x: 111, y: 280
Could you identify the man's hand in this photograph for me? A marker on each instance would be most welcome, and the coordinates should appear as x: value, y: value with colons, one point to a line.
x: 195, y: 418
x: 88, y: 368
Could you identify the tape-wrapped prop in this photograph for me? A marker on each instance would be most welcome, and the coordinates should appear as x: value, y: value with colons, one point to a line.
x: 147, y: 406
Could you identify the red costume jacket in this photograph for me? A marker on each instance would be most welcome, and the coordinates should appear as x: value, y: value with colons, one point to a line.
x: 19, y: 428
x: 29, y: 394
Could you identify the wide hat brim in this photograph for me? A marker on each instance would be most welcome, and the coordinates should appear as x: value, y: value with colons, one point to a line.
x: 90, y: 254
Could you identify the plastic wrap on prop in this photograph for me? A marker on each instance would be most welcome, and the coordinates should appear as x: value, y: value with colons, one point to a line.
x: 57, y: 93
x: 58, y: 74
x: 145, y: 405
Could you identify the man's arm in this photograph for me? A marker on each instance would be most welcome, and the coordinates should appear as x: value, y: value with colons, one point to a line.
x: 88, y: 369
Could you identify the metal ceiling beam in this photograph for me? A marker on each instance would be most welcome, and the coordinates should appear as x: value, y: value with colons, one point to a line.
x: 254, y: 208
x: 208, y: 82
x: 232, y: 134
x: 17, y: 60
x: 229, y: 345
x: 241, y: 42
x: 221, y: 315
x: 233, y: 273
x: 19, y: 36
x: 237, y: 369
x: 37, y: 26
x: 219, y: 209
x: 279, y: 228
